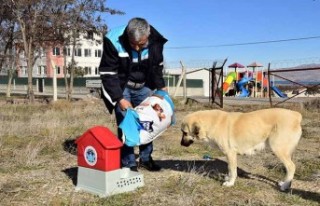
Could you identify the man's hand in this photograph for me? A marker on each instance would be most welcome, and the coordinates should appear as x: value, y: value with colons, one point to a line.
x: 124, y: 104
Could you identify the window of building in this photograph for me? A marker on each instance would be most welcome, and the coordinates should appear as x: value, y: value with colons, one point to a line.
x: 44, y: 70
x: 96, y: 71
x: 87, y: 70
x: 77, y: 52
x: 38, y: 70
x: 89, y: 35
x: 23, y: 70
x: 97, y: 53
x: 87, y: 52
x: 77, y: 35
x: 58, y: 70
x: 56, y: 51
x: 3, y: 70
x: 67, y: 51
x: 41, y: 70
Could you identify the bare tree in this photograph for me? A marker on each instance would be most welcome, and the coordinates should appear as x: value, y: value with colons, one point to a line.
x: 33, y: 23
x: 7, y: 60
x: 50, y: 22
x: 80, y: 17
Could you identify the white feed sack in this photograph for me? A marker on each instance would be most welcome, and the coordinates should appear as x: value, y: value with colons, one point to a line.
x: 147, y: 121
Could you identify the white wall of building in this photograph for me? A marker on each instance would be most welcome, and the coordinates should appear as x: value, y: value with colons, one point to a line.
x: 201, y: 74
x: 93, y: 60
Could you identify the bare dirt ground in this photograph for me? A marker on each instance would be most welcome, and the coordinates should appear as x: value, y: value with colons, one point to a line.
x: 38, y: 164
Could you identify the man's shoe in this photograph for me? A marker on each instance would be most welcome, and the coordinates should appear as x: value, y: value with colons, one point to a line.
x: 149, y: 165
x: 134, y: 169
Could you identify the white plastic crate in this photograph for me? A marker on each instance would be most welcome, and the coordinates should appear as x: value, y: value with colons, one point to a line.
x: 108, y: 183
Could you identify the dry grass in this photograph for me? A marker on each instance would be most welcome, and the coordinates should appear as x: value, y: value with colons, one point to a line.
x: 38, y: 161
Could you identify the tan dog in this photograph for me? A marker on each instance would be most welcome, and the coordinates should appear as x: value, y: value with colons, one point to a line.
x: 244, y: 133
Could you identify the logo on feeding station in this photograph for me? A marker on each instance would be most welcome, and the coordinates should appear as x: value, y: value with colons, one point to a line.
x: 90, y: 155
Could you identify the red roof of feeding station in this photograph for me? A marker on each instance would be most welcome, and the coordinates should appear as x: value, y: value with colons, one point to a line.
x: 104, y: 136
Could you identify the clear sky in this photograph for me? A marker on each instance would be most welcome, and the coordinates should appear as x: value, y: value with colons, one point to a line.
x: 198, y: 31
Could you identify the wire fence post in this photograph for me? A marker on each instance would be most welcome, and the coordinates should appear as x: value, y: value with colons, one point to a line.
x: 182, y: 76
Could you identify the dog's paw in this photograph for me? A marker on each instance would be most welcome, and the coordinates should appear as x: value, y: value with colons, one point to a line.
x: 228, y: 183
x: 284, y: 186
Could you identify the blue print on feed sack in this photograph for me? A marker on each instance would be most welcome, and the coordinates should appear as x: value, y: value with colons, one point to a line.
x: 131, y: 127
x: 147, y: 125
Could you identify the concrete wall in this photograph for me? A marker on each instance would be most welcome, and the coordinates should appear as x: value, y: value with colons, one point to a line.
x: 194, y: 74
x: 203, y: 75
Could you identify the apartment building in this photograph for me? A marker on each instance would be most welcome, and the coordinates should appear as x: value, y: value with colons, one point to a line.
x: 88, y: 53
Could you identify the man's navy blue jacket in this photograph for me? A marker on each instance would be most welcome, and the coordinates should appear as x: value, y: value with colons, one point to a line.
x: 120, y: 63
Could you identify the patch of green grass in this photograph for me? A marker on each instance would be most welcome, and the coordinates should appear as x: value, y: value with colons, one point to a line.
x: 49, y: 150
x: 26, y: 168
x: 61, y: 105
x: 307, y: 169
x: 290, y: 199
x: 309, y: 134
x: 194, y: 150
x: 189, y: 183
x: 13, y: 141
x: 313, y: 104
x: 123, y: 199
x: 245, y: 185
x: 44, y: 132
x: 276, y: 171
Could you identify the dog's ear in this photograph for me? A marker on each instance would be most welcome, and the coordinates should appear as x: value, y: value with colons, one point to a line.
x: 195, y: 128
x: 184, y: 127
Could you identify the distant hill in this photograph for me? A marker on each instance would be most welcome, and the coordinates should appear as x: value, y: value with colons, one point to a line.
x: 299, y: 76
x: 306, y: 66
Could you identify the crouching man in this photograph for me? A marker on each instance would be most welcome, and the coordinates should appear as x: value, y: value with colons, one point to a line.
x: 131, y: 68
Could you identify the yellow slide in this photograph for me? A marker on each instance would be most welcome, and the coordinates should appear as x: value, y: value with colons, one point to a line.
x: 229, y: 79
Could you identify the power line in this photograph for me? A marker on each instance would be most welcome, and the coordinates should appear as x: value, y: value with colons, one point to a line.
x: 244, y: 44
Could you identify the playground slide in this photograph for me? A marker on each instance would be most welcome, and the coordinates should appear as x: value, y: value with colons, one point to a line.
x: 241, y: 83
x: 229, y: 79
x: 279, y: 92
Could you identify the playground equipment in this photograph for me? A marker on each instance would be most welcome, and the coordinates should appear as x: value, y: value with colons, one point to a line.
x: 229, y: 79
x: 279, y: 92
x: 258, y: 78
x: 262, y: 81
x: 241, y: 83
